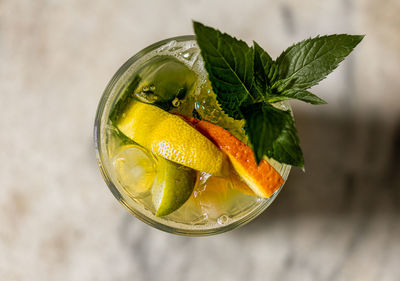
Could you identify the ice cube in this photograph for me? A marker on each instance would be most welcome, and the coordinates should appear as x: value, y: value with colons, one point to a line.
x: 189, y: 213
x: 190, y: 56
x: 167, y: 46
x: 165, y: 80
x: 212, y: 196
x: 219, y: 200
x: 135, y: 170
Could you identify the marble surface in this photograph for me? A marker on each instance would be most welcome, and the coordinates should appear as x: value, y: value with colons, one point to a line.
x: 58, y: 221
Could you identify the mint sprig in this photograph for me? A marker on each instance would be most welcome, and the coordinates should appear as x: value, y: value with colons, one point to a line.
x: 247, y: 81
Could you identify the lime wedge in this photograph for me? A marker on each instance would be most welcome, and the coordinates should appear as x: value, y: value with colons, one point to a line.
x: 172, y: 186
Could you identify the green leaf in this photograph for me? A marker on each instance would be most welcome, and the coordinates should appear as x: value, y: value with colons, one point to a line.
x: 229, y: 63
x: 272, y: 133
x: 306, y: 63
x: 265, y: 69
x: 302, y: 95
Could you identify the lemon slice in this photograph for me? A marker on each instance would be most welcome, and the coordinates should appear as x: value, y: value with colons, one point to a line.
x: 170, y: 137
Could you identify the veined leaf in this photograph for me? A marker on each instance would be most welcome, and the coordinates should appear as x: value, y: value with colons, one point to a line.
x: 306, y: 63
x: 272, y: 133
x: 229, y: 63
x: 265, y: 69
x: 297, y: 94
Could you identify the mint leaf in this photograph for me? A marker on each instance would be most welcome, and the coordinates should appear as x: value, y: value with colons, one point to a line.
x: 229, y: 63
x: 272, y: 133
x: 302, y: 95
x: 265, y: 69
x: 265, y: 73
x: 306, y: 63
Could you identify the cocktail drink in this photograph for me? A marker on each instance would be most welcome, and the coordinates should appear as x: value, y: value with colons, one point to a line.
x: 146, y: 104
x: 195, y: 135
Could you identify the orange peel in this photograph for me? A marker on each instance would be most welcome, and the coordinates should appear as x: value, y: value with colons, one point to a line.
x: 262, y: 179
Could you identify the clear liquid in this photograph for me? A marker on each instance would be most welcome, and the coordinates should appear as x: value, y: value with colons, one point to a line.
x: 215, y: 201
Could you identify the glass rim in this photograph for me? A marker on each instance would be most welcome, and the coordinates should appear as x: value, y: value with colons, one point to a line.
x: 217, y: 229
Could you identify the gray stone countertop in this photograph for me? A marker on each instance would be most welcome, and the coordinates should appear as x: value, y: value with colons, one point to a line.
x: 58, y: 221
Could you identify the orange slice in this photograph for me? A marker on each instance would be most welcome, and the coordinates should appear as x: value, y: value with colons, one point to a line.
x: 263, y: 179
x: 239, y: 184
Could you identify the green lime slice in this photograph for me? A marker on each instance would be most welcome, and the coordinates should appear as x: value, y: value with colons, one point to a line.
x: 172, y: 186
